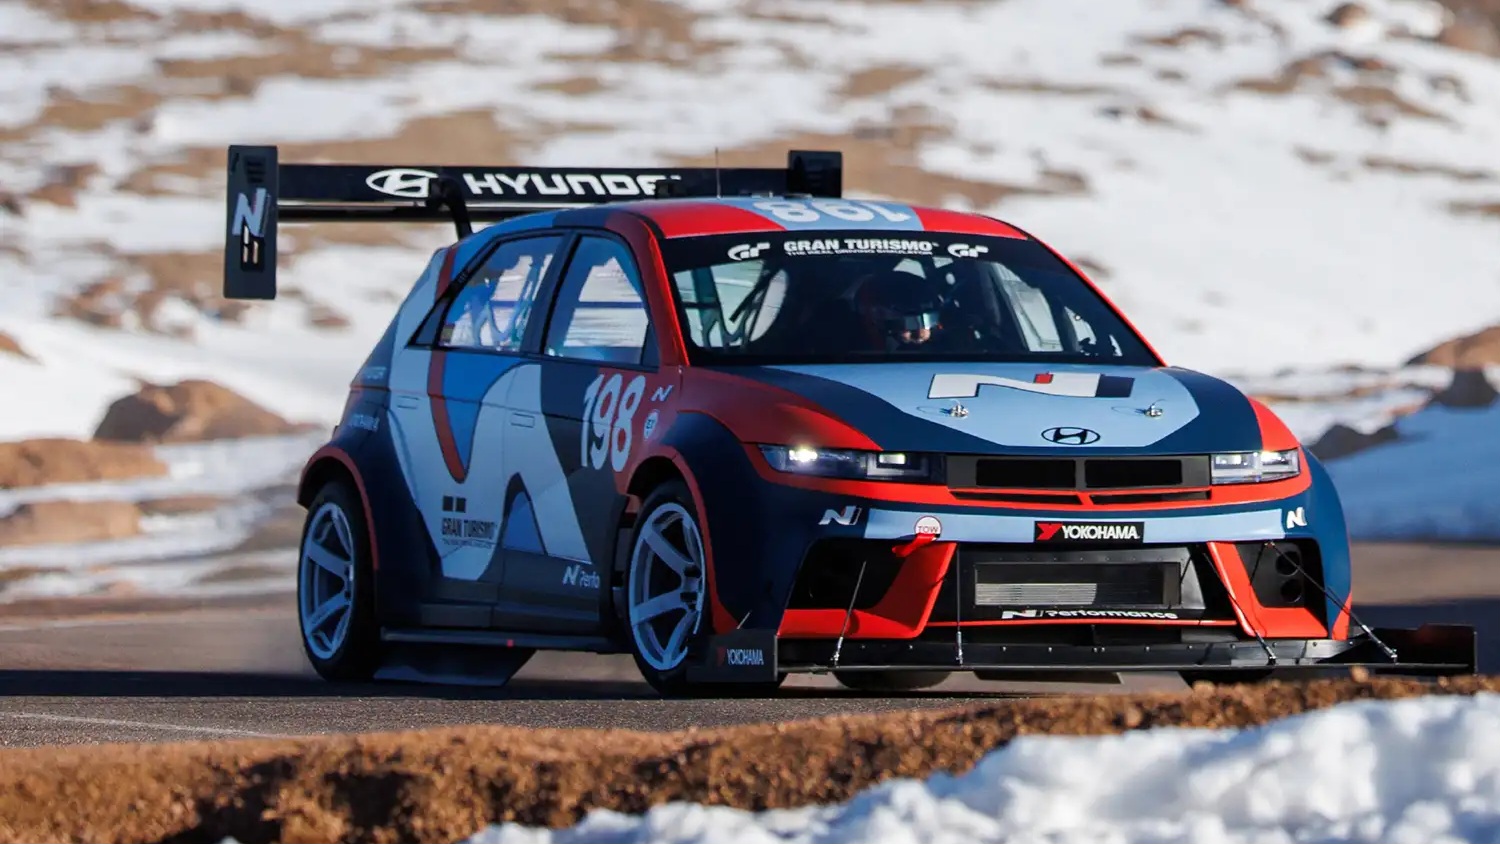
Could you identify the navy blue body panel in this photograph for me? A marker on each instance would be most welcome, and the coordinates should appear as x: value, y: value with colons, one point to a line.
x: 1326, y: 524
x: 754, y: 563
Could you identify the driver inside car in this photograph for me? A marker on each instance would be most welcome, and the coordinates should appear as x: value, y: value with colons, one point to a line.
x: 900, y: 310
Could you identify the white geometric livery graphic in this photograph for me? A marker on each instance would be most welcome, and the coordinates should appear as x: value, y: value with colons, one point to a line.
x: 1075, y: 384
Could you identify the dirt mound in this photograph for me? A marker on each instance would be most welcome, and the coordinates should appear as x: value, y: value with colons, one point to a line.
x: 1473, y: 351
x: 59, y: 461
x: 188, y: 411
x: 1342, y: 441
x: 445, y: 785
x: 1468, y: 389
x: 69, y: 521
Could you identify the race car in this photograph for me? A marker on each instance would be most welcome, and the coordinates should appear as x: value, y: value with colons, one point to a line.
x: 740, y: 426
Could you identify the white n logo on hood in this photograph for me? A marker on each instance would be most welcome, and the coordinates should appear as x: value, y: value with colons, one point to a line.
x: 965, y: 385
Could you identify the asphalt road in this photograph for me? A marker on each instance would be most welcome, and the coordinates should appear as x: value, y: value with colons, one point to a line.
x: 238, y: 671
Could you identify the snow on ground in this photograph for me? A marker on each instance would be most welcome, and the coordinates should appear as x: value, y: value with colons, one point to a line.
x: 1417, y: 771
x: 188, y: 554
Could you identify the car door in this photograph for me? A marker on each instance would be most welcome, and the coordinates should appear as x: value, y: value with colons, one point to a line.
x: 449, y: 418
x: 577, y: 415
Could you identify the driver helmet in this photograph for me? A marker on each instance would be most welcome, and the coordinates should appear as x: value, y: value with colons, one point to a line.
x: 902, y: 307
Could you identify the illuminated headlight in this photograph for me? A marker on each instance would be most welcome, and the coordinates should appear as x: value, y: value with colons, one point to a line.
x: 1246, y: 467
x: 848, y: 463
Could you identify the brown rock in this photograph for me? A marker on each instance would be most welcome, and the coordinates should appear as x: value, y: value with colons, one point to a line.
x: 56, y: 461
x: 178, y: 505
x: 1342, y: 441
x: 1473, y: 33
x: 1468, y: 389
x: 69, y: 521
x: 188, y: 411
x: 9, y: 346
x: 1473, y: 351
x: 1346, y: 15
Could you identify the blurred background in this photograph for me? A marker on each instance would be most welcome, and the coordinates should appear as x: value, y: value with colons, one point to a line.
x: 1300, y: 196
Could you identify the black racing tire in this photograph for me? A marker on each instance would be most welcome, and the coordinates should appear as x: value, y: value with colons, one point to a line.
x: 1228, y: 677
x: 890, y: 681
x: 356, y: 654
x: 670, y: 502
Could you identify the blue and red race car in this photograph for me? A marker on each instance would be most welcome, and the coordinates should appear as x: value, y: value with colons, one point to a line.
x: 739, y: 426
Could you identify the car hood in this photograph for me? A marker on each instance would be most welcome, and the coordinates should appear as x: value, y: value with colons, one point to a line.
x: 1026, y: 408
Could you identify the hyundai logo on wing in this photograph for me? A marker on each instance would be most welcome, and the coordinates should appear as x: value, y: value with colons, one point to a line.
x: 1070, y: 436
x: 405, y: 182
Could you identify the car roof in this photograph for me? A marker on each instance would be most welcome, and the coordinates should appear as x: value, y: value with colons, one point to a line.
x: 693, y: 217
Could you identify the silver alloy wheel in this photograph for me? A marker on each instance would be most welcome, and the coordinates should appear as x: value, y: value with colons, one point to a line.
x: 325, y: 573
x: 665, y: 591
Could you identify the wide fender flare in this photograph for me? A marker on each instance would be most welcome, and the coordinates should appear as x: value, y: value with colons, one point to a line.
x: 755, y: 530
x: 1326, y: 517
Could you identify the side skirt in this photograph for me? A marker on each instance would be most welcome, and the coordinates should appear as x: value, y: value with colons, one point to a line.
x: 486, y: 658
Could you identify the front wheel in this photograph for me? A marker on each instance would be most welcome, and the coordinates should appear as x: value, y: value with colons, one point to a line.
x: 665, y: 595
x: 335, y: 592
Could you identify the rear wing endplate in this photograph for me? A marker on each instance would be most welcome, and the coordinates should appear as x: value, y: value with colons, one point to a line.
x: 262, y: 192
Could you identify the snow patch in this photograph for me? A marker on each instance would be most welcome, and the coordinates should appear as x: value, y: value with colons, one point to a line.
x: 1415, y: 771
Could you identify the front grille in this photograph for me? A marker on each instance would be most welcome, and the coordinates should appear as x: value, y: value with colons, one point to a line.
x: 1042, y: 584
x: 1076, y: 473
x: 1022, y: 473
x: 1125, y: 474
x: 992, y: 581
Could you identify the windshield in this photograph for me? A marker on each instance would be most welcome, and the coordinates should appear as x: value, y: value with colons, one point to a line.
x: 848, y: 296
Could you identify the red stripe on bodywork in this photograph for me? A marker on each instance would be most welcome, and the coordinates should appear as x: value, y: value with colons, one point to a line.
x: 333, y: 452
x: 1342, y: 624
x: 719, y: 617
x: 961, y: 222
x: 667, y: 333
x: 445, y: 273
x: 436, y: 364
x: 690, y: 219
x: 1274, y: 434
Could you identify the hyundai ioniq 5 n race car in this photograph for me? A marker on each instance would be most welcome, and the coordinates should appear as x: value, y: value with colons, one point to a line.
x: 740, y: 427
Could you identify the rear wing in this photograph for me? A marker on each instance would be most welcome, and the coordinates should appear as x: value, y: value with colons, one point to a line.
x: 262, y: 192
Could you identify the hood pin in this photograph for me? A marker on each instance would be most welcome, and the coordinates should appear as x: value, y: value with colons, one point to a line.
x: 958, y: 409
x: 1153, y: 411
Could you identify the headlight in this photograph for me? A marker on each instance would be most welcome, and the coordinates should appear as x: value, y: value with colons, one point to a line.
x: 848, y: 463
x: 1245, y: 467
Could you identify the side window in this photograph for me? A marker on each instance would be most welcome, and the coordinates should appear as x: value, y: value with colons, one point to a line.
x: 720, y: 312
x: 492, y: 310
x: 601, y: 311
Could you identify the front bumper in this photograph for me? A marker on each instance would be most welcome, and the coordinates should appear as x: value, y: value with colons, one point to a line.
x: 758, y: 656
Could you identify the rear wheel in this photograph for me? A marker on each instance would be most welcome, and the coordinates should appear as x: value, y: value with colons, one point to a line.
x: 335, y: 588
x: 890, y: 681
x: 665, y: 595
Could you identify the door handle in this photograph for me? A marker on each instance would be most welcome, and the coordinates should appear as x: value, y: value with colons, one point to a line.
x: 522, y: 420
x: 407, y: 401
